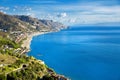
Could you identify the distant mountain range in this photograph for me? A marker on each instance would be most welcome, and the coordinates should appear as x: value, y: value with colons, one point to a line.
x: 26, y: 23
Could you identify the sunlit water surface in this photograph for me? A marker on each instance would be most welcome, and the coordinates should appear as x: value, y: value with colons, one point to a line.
x: 81, y: 53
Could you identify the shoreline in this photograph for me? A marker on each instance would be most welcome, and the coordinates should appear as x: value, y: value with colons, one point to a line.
x: 27, y: 42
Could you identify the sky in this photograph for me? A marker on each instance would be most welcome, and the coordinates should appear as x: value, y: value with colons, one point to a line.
x: 69, y: 12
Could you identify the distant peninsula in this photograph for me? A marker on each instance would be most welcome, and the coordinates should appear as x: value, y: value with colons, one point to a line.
x: 16, y: 32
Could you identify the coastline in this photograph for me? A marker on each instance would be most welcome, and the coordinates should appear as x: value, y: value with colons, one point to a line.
x: 26, y: 43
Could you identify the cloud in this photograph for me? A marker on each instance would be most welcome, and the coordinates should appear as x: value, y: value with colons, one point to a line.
x: 80, y: 13
x: 72, y: 20
x: 4, y: 8
x: 90, y: 14
x: 62, y: 15
x: 22, y: 8
x: 93, y: 12
x: 31, y: 14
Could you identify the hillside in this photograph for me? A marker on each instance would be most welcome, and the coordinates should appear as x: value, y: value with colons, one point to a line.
x: 9, y: 23
x: 14, y: 64
x: 26, y: 24
x: 32, y: 21
x: 41, y: 24
x: 18, y: 27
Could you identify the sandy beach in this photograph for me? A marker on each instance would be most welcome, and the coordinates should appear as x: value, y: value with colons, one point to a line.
x: 27, y: 42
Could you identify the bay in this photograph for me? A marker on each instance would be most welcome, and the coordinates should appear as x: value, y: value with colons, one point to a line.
x: 81, y: 52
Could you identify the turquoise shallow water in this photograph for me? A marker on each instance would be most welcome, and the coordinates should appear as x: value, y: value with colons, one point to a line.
x: 81, y: 53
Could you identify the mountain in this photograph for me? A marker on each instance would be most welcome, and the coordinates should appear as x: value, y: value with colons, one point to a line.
x: 53, y: 25
x: 14, y: 64
x: 10, y: 23
x: 16, y: 25
x: 32, y: 21
x: 41, y: 24
x: 25, y: 23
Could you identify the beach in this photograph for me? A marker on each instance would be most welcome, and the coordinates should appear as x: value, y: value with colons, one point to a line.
x: 26, y: 43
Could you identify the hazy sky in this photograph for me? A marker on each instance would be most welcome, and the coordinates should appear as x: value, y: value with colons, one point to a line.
x: 71, y: 12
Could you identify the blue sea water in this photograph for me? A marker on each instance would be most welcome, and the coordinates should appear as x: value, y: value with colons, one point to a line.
x: 81, y: 52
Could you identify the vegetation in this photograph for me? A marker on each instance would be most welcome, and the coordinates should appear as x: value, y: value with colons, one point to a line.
x: 34, y: 69
x: 24, y: 68
x: 7, y: 59
x: 7, y: 42
x: 17, y: 66
x: 14, y: 64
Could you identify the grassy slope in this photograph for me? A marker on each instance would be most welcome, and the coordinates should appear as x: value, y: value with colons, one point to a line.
x: 12, y: 64
x: 7, y: 59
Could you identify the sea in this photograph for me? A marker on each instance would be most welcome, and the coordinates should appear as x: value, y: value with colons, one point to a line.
x: 81, y: 52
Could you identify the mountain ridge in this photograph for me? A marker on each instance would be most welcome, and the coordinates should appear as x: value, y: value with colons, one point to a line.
x: 27, y: 23
x: 14, y: 63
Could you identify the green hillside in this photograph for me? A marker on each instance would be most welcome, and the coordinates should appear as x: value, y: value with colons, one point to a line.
x: 14, y: 63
